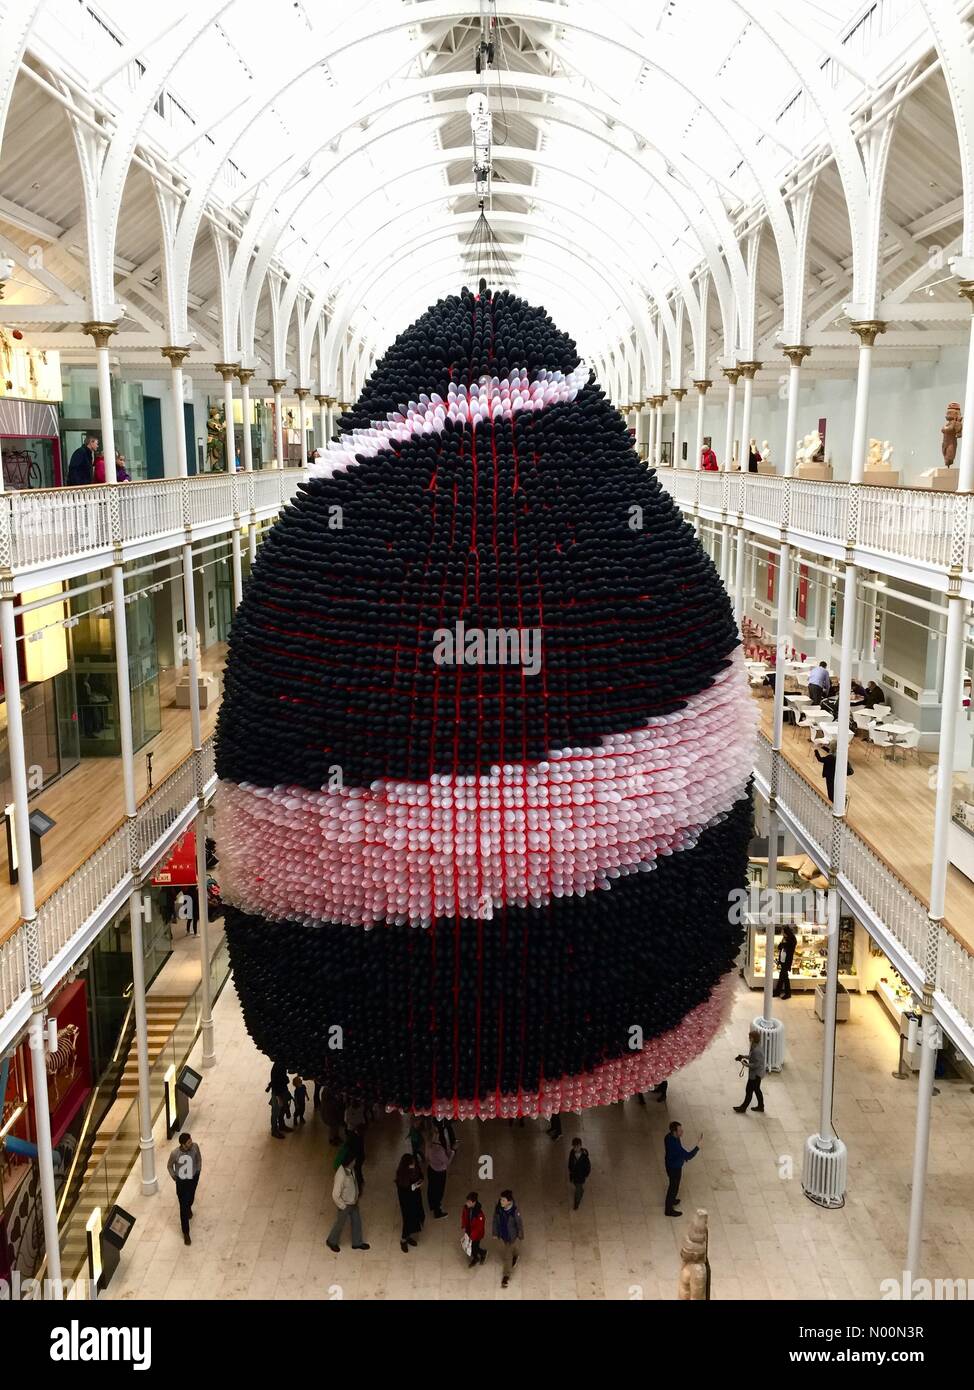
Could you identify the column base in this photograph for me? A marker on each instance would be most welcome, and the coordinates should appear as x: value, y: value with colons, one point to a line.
x: 825, y: 1170
x: 772, y: 1032
x: 209, y: 1054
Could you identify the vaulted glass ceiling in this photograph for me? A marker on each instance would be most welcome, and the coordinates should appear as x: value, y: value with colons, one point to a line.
x: 614, y: 125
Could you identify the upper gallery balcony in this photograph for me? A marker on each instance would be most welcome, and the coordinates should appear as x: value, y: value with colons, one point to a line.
x: 913, y: 533
x: 60, y: 532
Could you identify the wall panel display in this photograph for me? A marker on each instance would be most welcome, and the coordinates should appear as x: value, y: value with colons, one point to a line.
x: 485, y: 744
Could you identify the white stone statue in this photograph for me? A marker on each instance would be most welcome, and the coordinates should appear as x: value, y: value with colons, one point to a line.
x: 808, y: 447
x: 887, y: 459
x: 765, y: 451
x: 875, y: 457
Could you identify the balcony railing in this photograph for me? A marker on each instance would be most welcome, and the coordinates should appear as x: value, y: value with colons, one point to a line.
x: 868, y: 876
x: 39, y: 527
x: 918, y: 525
x: 104, y: 877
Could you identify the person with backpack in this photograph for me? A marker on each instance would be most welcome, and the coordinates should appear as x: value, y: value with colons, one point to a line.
x: 508, y: 1228
x: 579, y: 1169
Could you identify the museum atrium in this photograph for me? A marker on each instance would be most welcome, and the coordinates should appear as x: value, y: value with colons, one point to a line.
x: 458, y: 345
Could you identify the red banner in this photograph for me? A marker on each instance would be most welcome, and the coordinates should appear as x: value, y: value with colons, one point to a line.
x: 179, y: 870
x: 772, y: 572
x: 803, y: 592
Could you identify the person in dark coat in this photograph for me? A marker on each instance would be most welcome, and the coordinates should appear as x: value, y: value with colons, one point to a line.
x: 786, y: 955
x: 828, y: 770
x: 300, y: 1094
x: 280, y: 1099
x: 579, y: 1168
x: 81, y: 466
x: 332, y: 1112
x: 508, y: 1228
x: 675, y: 1157
x: 409, y: 1190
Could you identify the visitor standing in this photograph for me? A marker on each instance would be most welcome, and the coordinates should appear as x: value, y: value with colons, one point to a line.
x: 184, y: 1167
x: 439, y: 1156
x: 345, y: 1195
x: 508, y: 1228
x: 473, y: 1224
x: 755, y: 1063
x: 579, y: 1168
x: 81, y: 467
x: 675, y: 1158
x: 409, y: 1190
x: 786, y: 956
x: 280, y: 1099
x: 300, y: 1094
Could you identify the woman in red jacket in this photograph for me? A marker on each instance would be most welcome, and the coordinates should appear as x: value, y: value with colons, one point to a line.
x: 474, y: 1227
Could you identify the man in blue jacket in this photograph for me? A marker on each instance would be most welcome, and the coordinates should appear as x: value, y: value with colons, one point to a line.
x: 81, y: 468
x: 675, y: 1156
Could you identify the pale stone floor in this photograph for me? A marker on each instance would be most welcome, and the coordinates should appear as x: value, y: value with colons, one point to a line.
x: 264, y: 1207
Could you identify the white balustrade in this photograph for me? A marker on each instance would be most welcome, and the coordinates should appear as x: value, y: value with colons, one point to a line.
x: 56, y: 524
x: 84, y: 894
x: 13, y: 972
x: 712, y: 489
x: 40, y: 526
x: 901, y: 912
x: 210, y: 498
x: 955, y: 978
x: 149, y: 509
x: 158, y: 813
x: 764, y: 498
x: 909, y: 522
x: 819, y: 509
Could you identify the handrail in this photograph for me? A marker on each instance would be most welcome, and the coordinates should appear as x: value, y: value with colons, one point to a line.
x: 903, y: 910
x: 85, y: 891
x: 920, y: 525
x: 44, y: 526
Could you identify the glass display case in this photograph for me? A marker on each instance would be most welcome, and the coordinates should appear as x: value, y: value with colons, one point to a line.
x: 960, y: 838
x: 810, y: 963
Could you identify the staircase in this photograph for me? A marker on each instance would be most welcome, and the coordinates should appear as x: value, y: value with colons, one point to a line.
x: 103, y: 1177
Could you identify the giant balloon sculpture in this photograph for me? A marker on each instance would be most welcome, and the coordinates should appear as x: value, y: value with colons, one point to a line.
x: 485, y: 745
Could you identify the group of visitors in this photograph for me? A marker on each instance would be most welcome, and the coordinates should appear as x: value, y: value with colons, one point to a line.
x: 87, y: 465
x: 432, y: 1149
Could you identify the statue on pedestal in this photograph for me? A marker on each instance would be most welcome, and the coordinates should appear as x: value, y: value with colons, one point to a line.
x: 951, y: 432
x: 694, y: 1281
x: 216, y: 436
x: 810, y: 449
x: 874, y: 459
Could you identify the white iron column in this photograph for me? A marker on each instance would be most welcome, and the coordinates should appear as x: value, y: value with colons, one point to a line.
x: 659, y: 428
x: 642, y: 430
x: 748, y: 370
x: 965, y: 463
x: 651, y: 444
x: 796, y: 356
x: 137, y: 898
x: 703, y: 386
x: 177, y: 356
x: 678, y: 394
x: 826, y: 1159
x: 951, y: 695
x: 228, y: 370
x: 302, y: 394
x: 189, y: 616
x: 277, y: 386
x: 101, y: 332
x: 245, y: 376
x: 28, y: 912
x: 733, y: 376
x: 321, y: 437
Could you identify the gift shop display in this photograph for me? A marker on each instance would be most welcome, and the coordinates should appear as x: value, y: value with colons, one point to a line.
x: 485, y: 745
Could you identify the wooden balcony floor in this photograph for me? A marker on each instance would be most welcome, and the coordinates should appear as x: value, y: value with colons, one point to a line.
x: 87, y: 803
x: 891, y: 805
